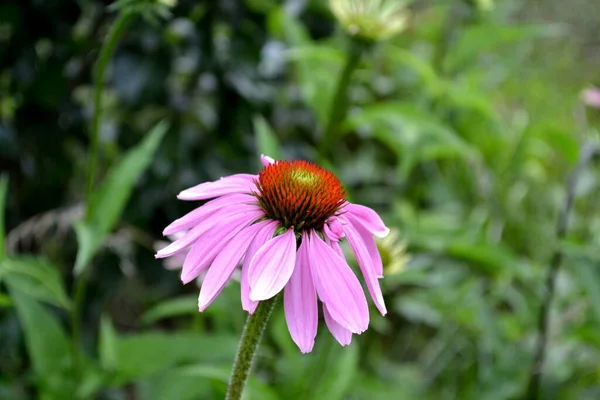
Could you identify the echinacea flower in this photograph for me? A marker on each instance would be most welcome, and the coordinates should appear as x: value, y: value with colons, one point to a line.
x: 371, y: 19
x: 284, y: 225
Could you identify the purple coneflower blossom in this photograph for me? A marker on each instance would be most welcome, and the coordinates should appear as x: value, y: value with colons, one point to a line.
x: 591, y: 97
x: 284, y: 225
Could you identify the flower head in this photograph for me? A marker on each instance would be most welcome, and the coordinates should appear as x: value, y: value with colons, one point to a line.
x: 371, y: 19
x: 284, y: 226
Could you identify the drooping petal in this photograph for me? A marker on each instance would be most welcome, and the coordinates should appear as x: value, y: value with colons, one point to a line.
x: 272, y: 265
x: 265, y: 234
x: 266, y: 160
x: 341, y: 334
x: 240, y: 183
x: 225, y: 263
x: 193, y: 234
x: 336, y: 247
x: 366, y: 265
x: 300, y: 302
x: 212, y: 241
x: 333, y: 229
x: 368, y: 218
x: 192, y: 218
x: 337, y: 286
x: 369, y: 241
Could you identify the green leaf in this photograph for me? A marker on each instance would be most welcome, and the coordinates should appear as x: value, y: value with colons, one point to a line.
x: 266, y: 139
x: 36, y: 278
x: 3, y: 193
x: 479, y: 39
x: 149, y: 353
x: 107, y: 203
x: 339, y: 374
x: 413, y: 134
x: 47, y: 346
x: 589, y: 278
x: 255, y: 389
x: 107, y: 345
x: 171, y: 308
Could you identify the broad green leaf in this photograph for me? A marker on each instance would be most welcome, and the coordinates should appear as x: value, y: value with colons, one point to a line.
x: 413, y: 134
x: 174, y: 384
x: 403, y: 58
x: 35, y: 278
x: 149, y: 353
x: 478, y: 39
x: 107, y: 203
x: 339, y: 373
x: 315, y: 65
x: 266, y: 139
x: 255, y: 390
x: 107, y: 345
x: 3, y: 195
x: 47, y: 346
x: 588, y: 274
x: 178, y: 306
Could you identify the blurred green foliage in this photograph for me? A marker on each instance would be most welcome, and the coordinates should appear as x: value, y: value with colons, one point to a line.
x: 461, y: 131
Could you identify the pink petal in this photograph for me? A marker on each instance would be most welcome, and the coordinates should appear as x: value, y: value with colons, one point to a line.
x: 212, y: 241
x: 337, y: 286
x: 341, y: 334
x: 192, y: 218
x: 225, y: 263
x: 333, y: 229
x: 240, y: 183
x: 366, y: 266
x: 272, y: 265
x: 260, y: 239
x: 266, y: 160
x: 368, y: 218
x: 193, y: 234
x: 368, y: 240
x: 300, y: 302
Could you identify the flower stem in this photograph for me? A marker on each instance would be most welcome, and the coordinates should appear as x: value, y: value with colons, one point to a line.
x: 339, y: 103
x: 106, y: 52
x: 253, y: 331
x: 588, y: 151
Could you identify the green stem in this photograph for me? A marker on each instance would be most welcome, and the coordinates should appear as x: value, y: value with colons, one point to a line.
x: 253, y: 331
x: 533, y: 391
x: 106, y: 52
x: 339, y: 103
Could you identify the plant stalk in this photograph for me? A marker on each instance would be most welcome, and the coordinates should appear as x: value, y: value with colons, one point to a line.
x: 80, y: 286
x: 533, y: 387
x: 253, y: 331
x: 339, y: 103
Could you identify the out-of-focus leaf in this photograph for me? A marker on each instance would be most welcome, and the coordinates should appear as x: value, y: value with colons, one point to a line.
x: 107, y: 203
x: 178, y: 306
x: 315, y: 64
x: 255, y: 389
x: 266, y: 139
x: 149, y: 353
x: 47, y: 346
x: 400, y: 57
x: 107, y: 345
x: 3, y: 195
x: 174, y: 384
x: 478, y: 39
x: 339, y: 374
x: 35, y: 278
x: 5, y: 300
x: 589, y: 278
x: 415, y: 135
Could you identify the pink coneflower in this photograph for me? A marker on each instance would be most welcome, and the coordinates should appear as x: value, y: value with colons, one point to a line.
x: 286, y: 224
